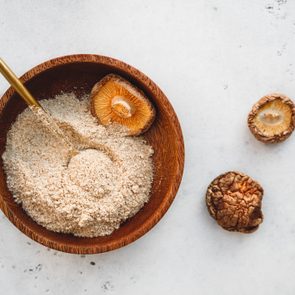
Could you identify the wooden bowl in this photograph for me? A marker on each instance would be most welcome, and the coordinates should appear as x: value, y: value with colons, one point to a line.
x: 78, y: 73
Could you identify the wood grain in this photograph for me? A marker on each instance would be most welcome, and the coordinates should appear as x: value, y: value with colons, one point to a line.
x: 78, y: 74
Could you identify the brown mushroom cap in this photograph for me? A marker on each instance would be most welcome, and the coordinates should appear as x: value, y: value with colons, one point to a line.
x: 234, y: 200
x: 272, y: 118
x: 115, y: 100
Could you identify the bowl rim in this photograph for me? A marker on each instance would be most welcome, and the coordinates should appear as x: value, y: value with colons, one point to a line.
x: 158, y: 213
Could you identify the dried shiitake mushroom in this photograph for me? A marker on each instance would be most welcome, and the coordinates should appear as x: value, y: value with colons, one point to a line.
x: 234, y: 200
x: 115, y: 100
x: 272, y: 118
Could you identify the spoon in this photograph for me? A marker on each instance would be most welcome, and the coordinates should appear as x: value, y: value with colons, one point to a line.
x: 48, y: 120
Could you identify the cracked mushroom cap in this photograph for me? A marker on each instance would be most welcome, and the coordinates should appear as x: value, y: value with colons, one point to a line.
x: 272, y: 118
x: 234, y: 200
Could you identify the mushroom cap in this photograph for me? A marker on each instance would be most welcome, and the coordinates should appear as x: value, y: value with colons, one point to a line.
x: 272, y: 118
x: 234, y: 200
x: 115, y: 100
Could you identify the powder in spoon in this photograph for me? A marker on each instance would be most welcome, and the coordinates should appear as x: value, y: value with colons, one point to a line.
x: 93, y: 194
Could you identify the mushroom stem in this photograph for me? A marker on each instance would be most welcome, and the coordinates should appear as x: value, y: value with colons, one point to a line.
x: 122, y: 107
x: 271, y: 117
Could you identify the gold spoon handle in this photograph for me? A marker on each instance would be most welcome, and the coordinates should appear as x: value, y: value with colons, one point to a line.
x: 17, y: 85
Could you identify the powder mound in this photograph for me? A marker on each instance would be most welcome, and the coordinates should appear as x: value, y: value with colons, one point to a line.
x: 87, y: 167
x: 93, y: 194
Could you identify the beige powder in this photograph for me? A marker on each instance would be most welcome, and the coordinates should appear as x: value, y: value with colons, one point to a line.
x: 93, y: 193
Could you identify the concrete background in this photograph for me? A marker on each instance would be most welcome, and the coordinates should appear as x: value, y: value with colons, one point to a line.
x: 213, y: 59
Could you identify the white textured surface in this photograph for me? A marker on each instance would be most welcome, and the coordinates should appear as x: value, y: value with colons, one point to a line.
x: 213, y: 59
